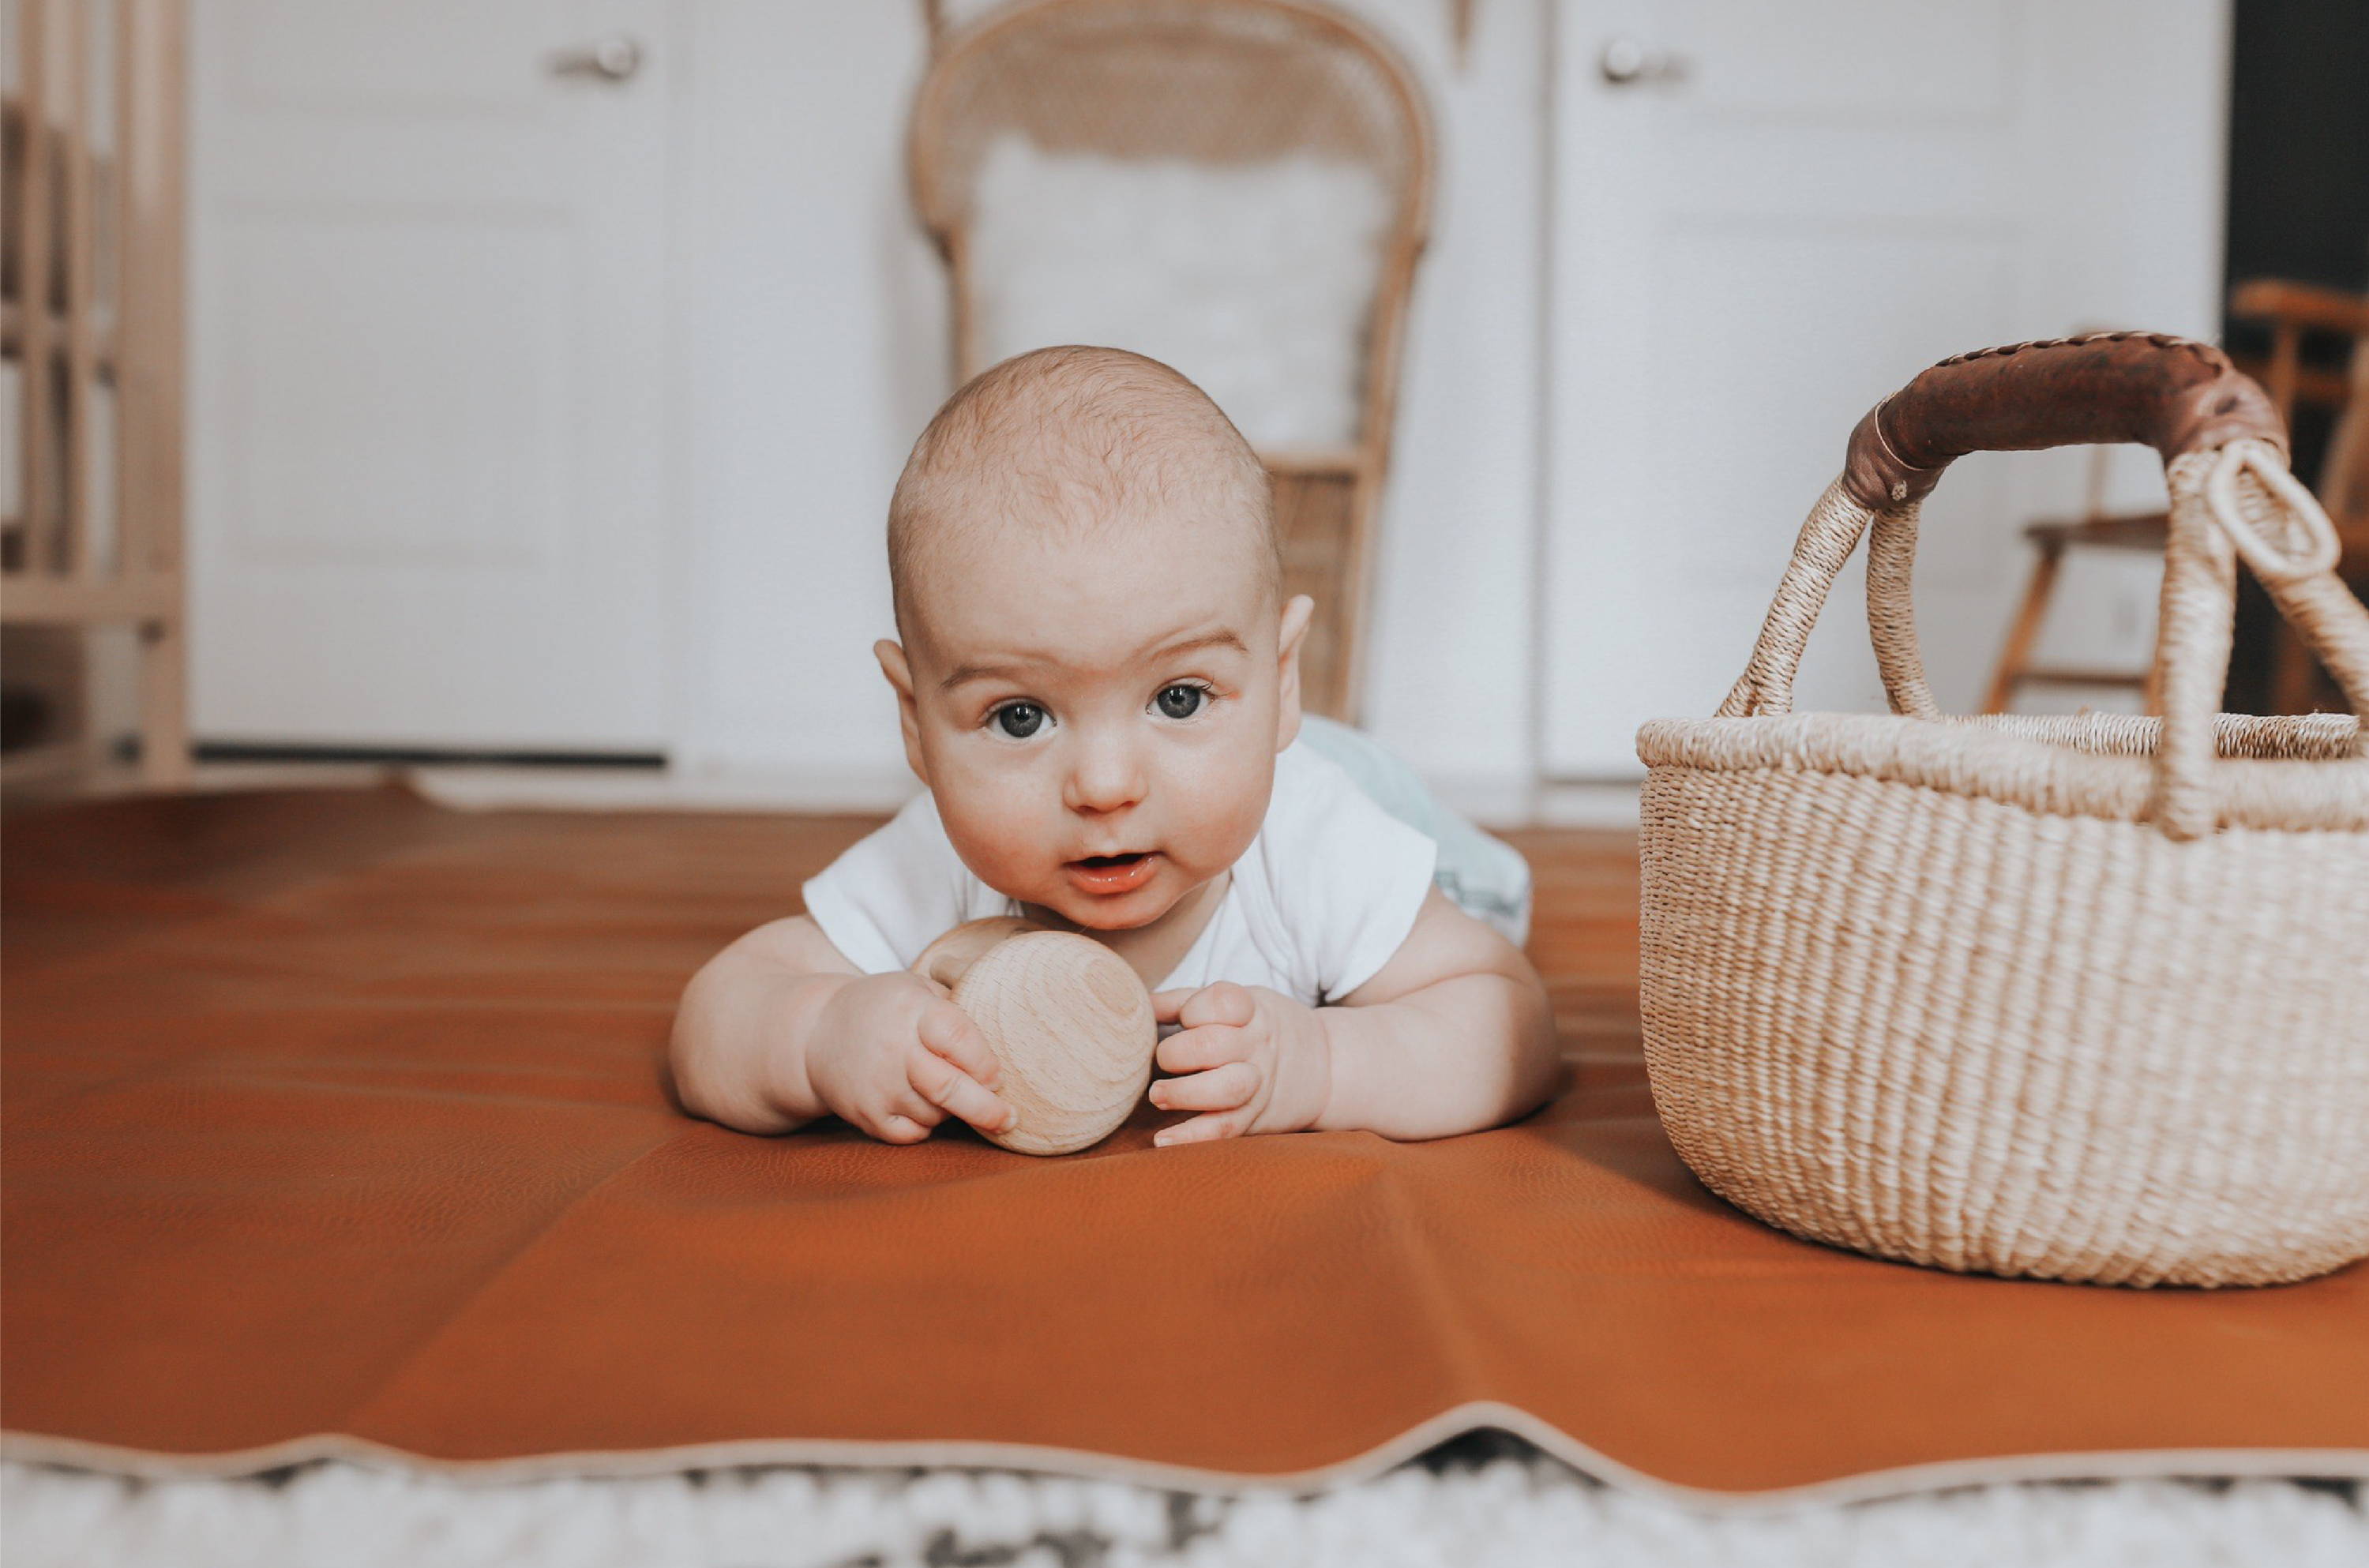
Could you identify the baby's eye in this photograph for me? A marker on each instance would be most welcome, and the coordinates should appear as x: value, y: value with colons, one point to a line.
x: 1019, y: 720
x: 1182, y: 701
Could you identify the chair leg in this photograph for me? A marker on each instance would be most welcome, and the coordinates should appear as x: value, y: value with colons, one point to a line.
x: 2024, y: 630
x: 164, y: 706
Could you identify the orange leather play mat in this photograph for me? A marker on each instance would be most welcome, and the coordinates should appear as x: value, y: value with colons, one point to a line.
x: 335, y: 1122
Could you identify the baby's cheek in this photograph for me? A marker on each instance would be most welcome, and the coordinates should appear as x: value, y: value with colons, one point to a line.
x: 1217, y: 816
x: 1002, y: 840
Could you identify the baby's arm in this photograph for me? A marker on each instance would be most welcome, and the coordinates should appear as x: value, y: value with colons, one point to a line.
x: 780, y: 1028
x: 1453, y: 1034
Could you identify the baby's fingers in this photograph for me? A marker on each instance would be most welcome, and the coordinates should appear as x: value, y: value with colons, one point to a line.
x: 1197, y: 1050
x: 1220, y: 1089
x: 949, y: 1032
x: 1224, y: 1002
x: 957, y: 1094
x: 904, y: 1118
x: 899, y: 1130
x: 1204, y: 1129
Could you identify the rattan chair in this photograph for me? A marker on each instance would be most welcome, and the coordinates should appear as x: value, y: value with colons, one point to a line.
x: 1233, y: 83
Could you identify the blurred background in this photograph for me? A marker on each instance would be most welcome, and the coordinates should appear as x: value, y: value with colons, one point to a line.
x: 514, y: 387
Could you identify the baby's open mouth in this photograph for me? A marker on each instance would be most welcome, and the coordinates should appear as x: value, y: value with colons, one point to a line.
x: 1108, y: 874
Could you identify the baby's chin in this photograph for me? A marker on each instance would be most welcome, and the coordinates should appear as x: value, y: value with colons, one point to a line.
x: 1126, y: 911
x: 1130, y: 912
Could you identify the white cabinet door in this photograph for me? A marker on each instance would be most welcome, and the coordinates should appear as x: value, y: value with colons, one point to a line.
x: 428, y: 455
x: 1782, y: 214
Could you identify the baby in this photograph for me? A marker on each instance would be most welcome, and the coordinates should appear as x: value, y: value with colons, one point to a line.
x: 1099, y: 681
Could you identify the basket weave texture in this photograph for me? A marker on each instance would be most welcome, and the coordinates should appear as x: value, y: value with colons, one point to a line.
x: 2058, y: 998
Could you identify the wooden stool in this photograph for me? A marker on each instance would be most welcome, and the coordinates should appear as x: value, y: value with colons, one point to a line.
x: 2144, y: 531
x: 2293, y: 310
x: 2296, y: 685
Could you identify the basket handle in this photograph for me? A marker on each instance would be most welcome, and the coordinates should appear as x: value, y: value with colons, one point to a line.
x: 2224, y: 456
x: 2172, y: 393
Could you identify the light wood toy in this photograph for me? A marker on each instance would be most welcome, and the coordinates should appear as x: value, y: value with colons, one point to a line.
x: 1067, y: 1018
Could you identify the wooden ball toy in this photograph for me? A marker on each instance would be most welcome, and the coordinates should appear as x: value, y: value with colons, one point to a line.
x: 1070, y: 1023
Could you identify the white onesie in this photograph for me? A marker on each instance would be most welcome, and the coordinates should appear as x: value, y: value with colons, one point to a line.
x: 1315, y: 907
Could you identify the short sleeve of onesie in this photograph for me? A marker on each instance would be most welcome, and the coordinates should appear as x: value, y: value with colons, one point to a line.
x: 1343, y: 877
x: 897, y: 890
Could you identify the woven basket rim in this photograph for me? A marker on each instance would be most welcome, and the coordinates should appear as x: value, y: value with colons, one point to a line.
x: 2276, y: 775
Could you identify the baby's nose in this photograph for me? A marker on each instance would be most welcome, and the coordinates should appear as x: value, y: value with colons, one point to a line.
x: 1107, y: 778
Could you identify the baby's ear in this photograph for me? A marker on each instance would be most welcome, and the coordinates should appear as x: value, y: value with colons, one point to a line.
x: 894, y: 665
x: 1295, y: 616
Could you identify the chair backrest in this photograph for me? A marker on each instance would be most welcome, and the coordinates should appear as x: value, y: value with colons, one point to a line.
x: 2344, y: 474
x: 1252, y: 100
x: 1223, y: 83
x: 2294, y: 312
x: 1217, y: 81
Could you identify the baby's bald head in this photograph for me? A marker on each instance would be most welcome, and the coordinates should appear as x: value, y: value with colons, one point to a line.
x: 1072, y: 438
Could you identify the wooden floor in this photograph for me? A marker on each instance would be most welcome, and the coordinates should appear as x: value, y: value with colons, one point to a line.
x: 1583, y: 935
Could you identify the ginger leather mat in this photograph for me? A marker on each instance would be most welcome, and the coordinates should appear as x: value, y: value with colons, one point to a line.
x: 336, y: 1124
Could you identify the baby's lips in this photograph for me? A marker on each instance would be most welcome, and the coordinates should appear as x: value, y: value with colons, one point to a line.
x: 1125, y: 876
x: 1117, y: 861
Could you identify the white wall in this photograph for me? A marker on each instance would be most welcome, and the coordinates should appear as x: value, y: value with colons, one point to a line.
x: 807, y: 347
x: 812, y: 348
x: 811, y: 328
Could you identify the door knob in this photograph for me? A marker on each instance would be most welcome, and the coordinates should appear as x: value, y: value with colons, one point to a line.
x: 1627, y: 62
x: 613, y: 59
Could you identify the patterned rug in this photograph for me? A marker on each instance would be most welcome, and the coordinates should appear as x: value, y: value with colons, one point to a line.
x: 1484, y: 1500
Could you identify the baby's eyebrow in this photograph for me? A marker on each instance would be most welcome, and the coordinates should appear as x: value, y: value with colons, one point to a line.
x: 1221, y: 637
x: 963, y: 672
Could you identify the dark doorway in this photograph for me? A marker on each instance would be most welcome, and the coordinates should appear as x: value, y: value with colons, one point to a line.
x: 2298, y: 208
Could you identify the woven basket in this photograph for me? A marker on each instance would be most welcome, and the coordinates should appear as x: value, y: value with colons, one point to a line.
x: 2079, y: 999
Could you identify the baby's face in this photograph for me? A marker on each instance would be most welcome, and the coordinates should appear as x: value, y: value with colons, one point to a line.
x: 1097, y: 711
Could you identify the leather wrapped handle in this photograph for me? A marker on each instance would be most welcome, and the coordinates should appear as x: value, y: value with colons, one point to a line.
x: 2172, y: 393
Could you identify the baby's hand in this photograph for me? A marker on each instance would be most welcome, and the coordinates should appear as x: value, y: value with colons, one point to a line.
x: 1253, y: 1060
x: 894, y: 1056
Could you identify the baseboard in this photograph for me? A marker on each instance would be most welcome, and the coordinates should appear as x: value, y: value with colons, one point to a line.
x: 822, y: 790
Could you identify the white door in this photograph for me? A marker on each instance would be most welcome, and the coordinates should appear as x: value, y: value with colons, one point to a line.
x: 428, y: 295
x: 1767, y: 217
